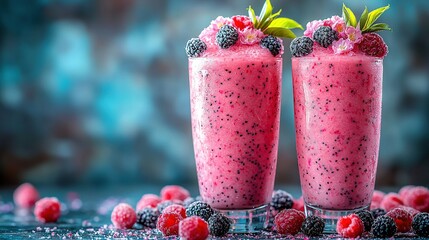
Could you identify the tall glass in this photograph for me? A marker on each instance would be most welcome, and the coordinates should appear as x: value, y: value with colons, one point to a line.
x: 337, y: 103
x: 235, y: 110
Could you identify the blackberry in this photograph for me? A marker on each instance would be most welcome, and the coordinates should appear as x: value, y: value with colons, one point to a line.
x: 377, y: 212
x: 366, y: 218
x: 384, y: 227
x: 148, y: 217
x: 272, y: 43
x: 281, y: 200
x: 226, y: 36
x: 200, y: 209
x: 313, y: 226
x: 325, y: 36
x: 421, y: 224
x: 219, y: 224
x: 162, y: 205
x: 188, y: 201
x: 195, y: 47
x: 301, y: 46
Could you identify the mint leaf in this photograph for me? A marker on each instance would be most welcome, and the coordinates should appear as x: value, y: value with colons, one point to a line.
x: 252, y: 16
x: 349, y: 16
x: 266, y: 12
x: 363, y: 18
x: 285, y: 23
x: 280, y: 32
x: 373, y: 16
x: 378, y: 27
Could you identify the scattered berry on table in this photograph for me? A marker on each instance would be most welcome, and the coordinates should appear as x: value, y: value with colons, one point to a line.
x: 281, y: 200
x: 47, y: 210
x: 325, y: 36
x: 123, y: 216
x: 162, y: 205
x: 289, y: 221
x: 226, y: 36
x: 195, y: 47
x: 25, y: 196
x: 301, y: 46
x: 391, y: 201
x: 188, y: 201
x: 367, y: 219
x: 411, y: 210
x: 404, y: 190
x: 350, y: 226
x: 148, y: 217
x: 402, y: 219
x: 193, y: 228
x: 418, y: 198
x: 273, y: 44
x: 168, y: 223
x: 219, y: 224
x: 176, y: 208
x: 313, y: 226
x: 174, y: 192
x: 298, y: 204
x: 420, y: 224
x: 372, y: 44
x: 377, y: 197
x: 148, y: 200
x: 377, y: 212
x: 200, y: 209
x: 383, y: 227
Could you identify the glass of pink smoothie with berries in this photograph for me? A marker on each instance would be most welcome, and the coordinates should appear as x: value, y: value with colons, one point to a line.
x: 235, y: 70
x: 337, y: 73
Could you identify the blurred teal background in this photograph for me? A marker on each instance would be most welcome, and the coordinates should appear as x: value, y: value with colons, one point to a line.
x: 96, y: 92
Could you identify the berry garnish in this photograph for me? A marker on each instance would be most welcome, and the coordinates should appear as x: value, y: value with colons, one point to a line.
x: 378, y: 212
x: 418, y: 198
x: 219, y: 224
x: 367, y: 219
x: 313, y: 226
x: 176, y: 208
x: 383, y: 227
x: 148, y: 217
x: 227, y: 36
x: 174, y: 192
x: 200, y: 209
x: 289, y: 221
x: 273, y: 44
x: 193, y: 228
x: 195, y: 47
x: 281, y: 200
x: 25, y: 196
x: 350, y: 226
x: 242, y: 22
x: 301, y: 46
x: 402, y: 219
x: 420, y: 224
x: 373, y: 45
x: 325, y: 36
x: 123, y: 216
x: 168, y: 223
x: 391, y: 201
x: 47, y: 210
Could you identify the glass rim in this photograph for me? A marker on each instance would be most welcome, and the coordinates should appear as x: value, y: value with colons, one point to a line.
x: 339, y: 57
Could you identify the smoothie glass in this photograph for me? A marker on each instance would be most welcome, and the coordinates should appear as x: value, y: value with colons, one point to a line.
x: 337, y: 106
x: 235, y: 111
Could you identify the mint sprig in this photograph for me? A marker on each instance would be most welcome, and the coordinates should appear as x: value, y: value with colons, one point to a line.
x: 268, y: 22
x: 367, y: 19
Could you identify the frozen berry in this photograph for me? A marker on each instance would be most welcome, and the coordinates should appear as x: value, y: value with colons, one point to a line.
x: 168, y: 223
x: 411, y: 210
x: 162, y: 205
x: 226, y: 36
x: 188, y: 201
x: 421, y: 224
x: 200, y: 209
x: 402, y: 219
x: 313, y: 226
x: 391, y: 201
x: 273, y: 44
x: 281, y: 200
x: 174, y: 192
x: 176, y: 208
x: 377, y: 212
x: 418, y: 198
x: 367, y: 219
x: 241, y: 22
x: 25, y: 195
x: 148, y: 217
x: 298, y: 204
x: 404, y: 190
x: 123, y: 216
x: 219, y: 224
x: 325, y: 36
x: 373, y: 45
x: 383, y: 227
x: 195, y: 47
x: 193, y: 228
x: 377, y: 197
x: 47, y: 210
x: 289, y: 221
x: 350, y: 226
x: 148, y: 200
x: 301, y: 46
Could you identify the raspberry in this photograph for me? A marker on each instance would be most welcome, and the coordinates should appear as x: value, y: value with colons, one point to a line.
x: 350, y: 226
x: 289, y: 221
x: 226, y: 36
x: 123, y: 216
x: 200, y: 209
x: 418, y: 198
x: 219, y: 225
x: 193, y: 228
x: 241, y: 22
x: 391, y: 201
x: 411, y: 210
x: 195, y: 47
x: 168, y: 223
x: 47, y: 209
x: 313, y: 226
x: 367, y: 219
x: 373, y: 45
x: 325, y: 36
x: 421, y: 224
x: 281, y: 200
x: 402, y: 219
x: 298, y: 204
x: 148, y: 200
x: 377, y: 197
x: 378, y: 212
x: 25, y: 195
x: 273, y: 44
x: 148, y: 217
x: 384, y: 227
x: 174, y: 192
x: 301, y: 46
x: 404, y: 190
x: 176, y: 208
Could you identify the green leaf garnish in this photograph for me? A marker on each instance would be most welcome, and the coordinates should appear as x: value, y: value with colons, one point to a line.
x: 373, y: 16
x: 349, y: 16
x: 367, y: 19
x: 268, y: 22
x: 363, y: 18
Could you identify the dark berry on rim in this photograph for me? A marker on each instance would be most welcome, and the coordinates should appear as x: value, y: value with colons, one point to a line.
x: 148, y: 217
x: 377, y: 212
x: 373, y: 45
x: 301, y: 46
x: 219, y: 224
x: 366, y: 218
x: 226, y: 36
x: 281, y: 200
x: 313, y: 226
x: 195, y: 47
x: 384, y: 227
x: 325, y: 36
x: 200, y: 209
x: 421, y: 224
x: 272, y: 43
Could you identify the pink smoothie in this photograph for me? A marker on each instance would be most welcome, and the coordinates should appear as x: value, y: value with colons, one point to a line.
x: 337, y: 120
x: 235, y: 106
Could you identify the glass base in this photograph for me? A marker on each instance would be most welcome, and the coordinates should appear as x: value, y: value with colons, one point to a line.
x: 330, y: 217
x: 248, y: 220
